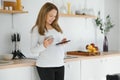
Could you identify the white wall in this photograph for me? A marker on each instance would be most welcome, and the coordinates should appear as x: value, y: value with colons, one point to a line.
x: 119, y: 25
x: 79, y: 30
x: 82, y: 31
x: 112, y: 8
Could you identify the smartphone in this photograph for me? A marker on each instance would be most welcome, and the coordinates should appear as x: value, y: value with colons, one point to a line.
x: 62, y: 42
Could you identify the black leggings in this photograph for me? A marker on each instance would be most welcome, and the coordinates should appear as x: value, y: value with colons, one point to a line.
x: 54, y: 73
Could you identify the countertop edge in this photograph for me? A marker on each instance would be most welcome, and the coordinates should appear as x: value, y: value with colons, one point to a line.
x: 31, y: 62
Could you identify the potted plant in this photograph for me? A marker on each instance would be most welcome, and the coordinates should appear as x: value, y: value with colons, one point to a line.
x: 105, y: 28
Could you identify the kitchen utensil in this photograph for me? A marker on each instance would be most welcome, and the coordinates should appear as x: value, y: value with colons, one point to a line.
x: 16, y: 50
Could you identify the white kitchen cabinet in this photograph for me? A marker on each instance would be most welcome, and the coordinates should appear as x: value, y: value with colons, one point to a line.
x: 35, y: 75
x: 97, y: 69
x: 72, y: 70
x: 112, y: 65
x: 21, y: 73
x: 92, y: 69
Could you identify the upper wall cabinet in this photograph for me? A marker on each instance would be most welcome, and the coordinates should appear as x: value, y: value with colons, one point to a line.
x: 81, y: 16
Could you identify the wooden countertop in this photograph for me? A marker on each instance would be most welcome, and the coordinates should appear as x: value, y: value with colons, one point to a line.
x: 31, y: 62
x: 19, y: 63
x: 102, y: 55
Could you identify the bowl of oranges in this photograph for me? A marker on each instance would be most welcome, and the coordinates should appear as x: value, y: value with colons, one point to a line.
x: 92, y: 49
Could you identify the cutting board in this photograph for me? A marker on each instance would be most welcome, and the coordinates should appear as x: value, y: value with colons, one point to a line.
x: 82, y: 53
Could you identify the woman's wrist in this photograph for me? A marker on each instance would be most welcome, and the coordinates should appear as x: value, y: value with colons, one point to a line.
x: 44, y: 45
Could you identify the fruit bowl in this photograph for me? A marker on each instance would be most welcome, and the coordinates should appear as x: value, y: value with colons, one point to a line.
x: 92, y: 48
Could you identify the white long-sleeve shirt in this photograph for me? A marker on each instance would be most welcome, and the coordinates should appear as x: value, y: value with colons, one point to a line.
x: 53, y: 55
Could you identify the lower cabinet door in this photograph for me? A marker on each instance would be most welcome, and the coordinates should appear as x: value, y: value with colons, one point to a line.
x: 72, y: 70
x: 112, y: 65
x: 34, y: 73
x: 67, y: 71
x: 21, y: 73
x: 92, y: 69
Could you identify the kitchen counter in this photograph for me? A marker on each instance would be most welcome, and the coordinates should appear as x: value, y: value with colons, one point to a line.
x: 102, y: 55
x: 31, y: 62
x: 19, y: 63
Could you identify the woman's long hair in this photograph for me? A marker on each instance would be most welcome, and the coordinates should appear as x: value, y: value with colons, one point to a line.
x: 41, y: 19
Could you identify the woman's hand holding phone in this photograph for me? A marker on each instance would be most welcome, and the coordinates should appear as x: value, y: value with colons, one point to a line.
x: 48, y: 41
x: 64, y: 39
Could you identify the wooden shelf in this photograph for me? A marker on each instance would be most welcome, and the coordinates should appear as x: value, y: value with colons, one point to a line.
x: 12, y: 12
x: 73, y: 15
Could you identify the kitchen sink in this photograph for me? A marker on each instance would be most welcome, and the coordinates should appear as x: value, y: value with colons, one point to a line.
x: 4, y: 62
